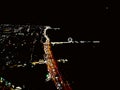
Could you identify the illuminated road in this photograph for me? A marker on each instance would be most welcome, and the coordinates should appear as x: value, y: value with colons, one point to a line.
x: 52, y: 67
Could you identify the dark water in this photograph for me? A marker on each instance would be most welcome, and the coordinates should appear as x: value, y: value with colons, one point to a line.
x: 85, y: 67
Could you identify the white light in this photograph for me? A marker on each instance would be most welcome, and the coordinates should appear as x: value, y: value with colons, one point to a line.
x: 56, y: 77
x: 45, y: 62
x: 18, y: 88
x: 32, y: 66
x: 96, y: 41
x: 28, y: 29
x: 12, y: 56
x: 59, y: 60
x: 31, y: 34
x: 63, y: 61
x: 9, y: 84
x: 56, y: 28
x: 66, y: 60
x: 13, y: 44
x: 3, y: 35
x: 7, y: 57
x: 88, y: 41
x: 13, y: 86
x: 22, y: 44
x: 82, y: 41
x: 25, y: 64
x: 7, y: 63
x: 76, y: 42
x: 3, y: 50
x: 21, y: 34
x: 53, y: 70
x: 70, y: 40
x: 23, y: 86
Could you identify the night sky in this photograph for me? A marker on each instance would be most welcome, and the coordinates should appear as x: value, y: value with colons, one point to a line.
x: 82, y: 20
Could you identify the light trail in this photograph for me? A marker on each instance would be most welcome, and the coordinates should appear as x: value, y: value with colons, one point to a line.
x: 41, y: 61
x: 52, y: 65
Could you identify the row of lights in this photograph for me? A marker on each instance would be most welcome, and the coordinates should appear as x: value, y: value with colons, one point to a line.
x: 41, y: 61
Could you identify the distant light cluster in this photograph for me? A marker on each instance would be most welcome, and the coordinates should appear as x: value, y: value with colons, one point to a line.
x: 41, y: 61
x: 22, y: 45
x: 8, y: 85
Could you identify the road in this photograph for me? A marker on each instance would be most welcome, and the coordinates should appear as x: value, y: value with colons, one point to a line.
x: 52, y: 66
